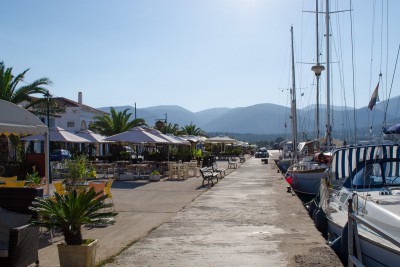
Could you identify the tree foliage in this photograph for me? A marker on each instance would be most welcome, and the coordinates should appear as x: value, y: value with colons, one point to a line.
x: 10, y: 91
x: 192, y: 129
x: 117, y: 123
x: 170, y: 128
x: 69, y: 212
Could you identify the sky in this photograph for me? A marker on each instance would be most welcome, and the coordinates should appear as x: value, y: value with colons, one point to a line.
x: 200, y: 54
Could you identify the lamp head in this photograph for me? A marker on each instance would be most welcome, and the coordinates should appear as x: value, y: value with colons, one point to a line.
x: 317, y: 69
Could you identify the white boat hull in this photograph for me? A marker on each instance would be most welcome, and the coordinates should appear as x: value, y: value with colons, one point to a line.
x: 373, y: 253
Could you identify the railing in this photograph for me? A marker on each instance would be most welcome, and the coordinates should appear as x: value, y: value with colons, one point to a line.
x: 353, y: 219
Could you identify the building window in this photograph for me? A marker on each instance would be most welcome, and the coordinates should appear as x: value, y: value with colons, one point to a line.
x: 83, y: 125
x: 70, y: 124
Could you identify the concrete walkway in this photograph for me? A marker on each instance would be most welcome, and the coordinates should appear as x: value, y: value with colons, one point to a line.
x: 142, y: 207
x: 247, y: 219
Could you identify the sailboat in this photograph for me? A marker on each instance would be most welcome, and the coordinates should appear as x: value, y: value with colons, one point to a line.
x: 369, y: 175
x: 359, y: 203
x: 305, y: 175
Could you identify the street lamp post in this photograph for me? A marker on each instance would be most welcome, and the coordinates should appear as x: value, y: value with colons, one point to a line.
x: 47, y: 95
x: 317, y: 69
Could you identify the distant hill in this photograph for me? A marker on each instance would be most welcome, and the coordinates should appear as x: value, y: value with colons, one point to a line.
x: 270, y: 119
x: 256, y: 119
x: 205, y: 115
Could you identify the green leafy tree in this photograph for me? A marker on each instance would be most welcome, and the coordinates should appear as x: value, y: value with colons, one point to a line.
x: 192, y: 129
x: 117, y: 123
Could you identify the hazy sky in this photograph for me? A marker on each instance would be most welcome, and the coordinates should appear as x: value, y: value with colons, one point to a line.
x: 198, y: 54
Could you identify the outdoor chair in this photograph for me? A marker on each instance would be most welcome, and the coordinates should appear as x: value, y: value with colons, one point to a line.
x: 107, y: 191
x: 172, y: 170
x: 184, y: 170
x: 100, y: 172
x: 98, y: 187
x: 13, y: 178
x: 59, y: 188
x: 15, y: 183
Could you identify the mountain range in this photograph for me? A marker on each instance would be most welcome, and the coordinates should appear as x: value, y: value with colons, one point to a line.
x: 270, y: 119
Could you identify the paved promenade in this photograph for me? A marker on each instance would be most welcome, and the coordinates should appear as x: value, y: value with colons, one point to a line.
x: 247, y: 219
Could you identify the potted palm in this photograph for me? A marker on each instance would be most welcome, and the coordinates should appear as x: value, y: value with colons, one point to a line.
x: 33, y: 178
x: 155, y: 175
x: 69, y: 213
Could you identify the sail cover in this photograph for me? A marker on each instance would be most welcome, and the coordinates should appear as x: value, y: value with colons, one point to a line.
x: 345, y: 160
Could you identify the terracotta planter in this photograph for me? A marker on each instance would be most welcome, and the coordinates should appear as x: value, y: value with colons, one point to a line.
x: 77, y: 255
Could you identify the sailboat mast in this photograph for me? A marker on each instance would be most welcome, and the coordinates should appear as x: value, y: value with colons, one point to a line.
x: 317, y: 76
x: 293, y: 94
x: 328, y: 100
x: 317, y: 69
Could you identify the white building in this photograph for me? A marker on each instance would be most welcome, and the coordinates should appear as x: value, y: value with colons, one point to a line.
x: 77, y: 117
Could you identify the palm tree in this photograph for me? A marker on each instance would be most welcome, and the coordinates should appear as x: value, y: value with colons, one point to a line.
x: 170, y: 128
x: 191, y: 129
x: 117, y: 123
x: 10, y: 91
x: 139, y: 122
x: 9, y: 83
x: 71, y: 211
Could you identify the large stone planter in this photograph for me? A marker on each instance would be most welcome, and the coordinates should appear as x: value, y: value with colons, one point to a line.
x: 154, y: 177
x: 77, y: 255
x: 126, y: 177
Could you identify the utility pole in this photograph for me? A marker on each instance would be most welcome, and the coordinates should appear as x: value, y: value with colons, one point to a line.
x: 135, y: 111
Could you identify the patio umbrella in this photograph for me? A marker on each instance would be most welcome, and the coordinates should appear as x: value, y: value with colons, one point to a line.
x: 178, y: 139
x: 92, y: 136
x: 172, y: 139
x: 137, y: 135
x: 17, y: 120
x: 223, y: 140
x: 95, y: 139
x: 58, y: 134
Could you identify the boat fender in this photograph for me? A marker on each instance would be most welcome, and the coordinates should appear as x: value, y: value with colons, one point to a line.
x: 321, y: 222
x: 344, y: 251
x: 311, y: 207
x: 335, y: 245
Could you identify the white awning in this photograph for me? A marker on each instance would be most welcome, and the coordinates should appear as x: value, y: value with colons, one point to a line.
x: 17, y: 120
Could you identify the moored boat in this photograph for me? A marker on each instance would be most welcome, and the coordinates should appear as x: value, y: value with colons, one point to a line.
x: 370, y: 176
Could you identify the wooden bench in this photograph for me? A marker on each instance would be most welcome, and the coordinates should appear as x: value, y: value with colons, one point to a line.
x: 232, y: 163
x: 221, y: 171
x: 208, y: 175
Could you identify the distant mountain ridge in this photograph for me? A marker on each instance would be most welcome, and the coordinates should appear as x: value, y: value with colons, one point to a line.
x: 265, y: 118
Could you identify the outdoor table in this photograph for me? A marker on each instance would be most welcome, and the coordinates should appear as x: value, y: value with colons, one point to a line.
x: 121, y: 166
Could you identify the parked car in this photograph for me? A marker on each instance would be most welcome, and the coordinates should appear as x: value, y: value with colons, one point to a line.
x: 262, y: 154
x: 60, y: 154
